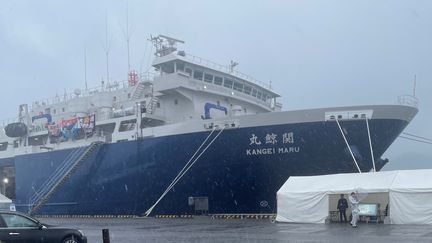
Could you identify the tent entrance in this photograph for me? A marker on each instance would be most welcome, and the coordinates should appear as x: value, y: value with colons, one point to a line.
x: 373, y: 208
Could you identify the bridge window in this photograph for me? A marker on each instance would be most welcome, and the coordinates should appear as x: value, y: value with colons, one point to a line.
x: 254, y: 92
x: 188, y: 70
x: 259, y: 94
x: 208, y: 78
x: 228, y: 83
x: 127, y: 125
x: 218, y: 80
x: 198, y: 75
x: 180, y: 66
x: 105, y: 129
x: 247, y: 89
x: 238, y: 86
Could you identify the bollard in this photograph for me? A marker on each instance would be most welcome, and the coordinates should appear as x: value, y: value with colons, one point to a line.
x: 105, y: 236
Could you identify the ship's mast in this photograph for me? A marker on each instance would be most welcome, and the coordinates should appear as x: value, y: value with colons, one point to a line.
x: 127, y: 35
x: 232, y: 65
x: 107, y: 46
x: 85, y: 67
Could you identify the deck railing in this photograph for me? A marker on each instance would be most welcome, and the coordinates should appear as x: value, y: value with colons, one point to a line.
x: 408, y: 100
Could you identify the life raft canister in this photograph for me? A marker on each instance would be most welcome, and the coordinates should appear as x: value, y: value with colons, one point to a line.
x: 16, y: 130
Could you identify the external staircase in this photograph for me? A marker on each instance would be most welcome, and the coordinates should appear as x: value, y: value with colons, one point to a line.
x: 152, y: 105
x: 63, y: 172
x: 139, y: 90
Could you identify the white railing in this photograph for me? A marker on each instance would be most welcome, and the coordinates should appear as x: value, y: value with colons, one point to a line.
x: 408, y: 100
x: 109, y: 86
x: 226, y: 69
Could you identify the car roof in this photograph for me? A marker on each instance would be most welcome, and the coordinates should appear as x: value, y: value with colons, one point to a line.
x: 17, y: 213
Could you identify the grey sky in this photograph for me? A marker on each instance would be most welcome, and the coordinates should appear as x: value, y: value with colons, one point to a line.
x: 316, y: 53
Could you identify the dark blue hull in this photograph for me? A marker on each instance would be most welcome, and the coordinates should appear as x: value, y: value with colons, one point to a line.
x: 126, y: 178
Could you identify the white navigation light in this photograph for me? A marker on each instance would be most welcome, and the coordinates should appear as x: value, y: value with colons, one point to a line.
x: 5, y: 180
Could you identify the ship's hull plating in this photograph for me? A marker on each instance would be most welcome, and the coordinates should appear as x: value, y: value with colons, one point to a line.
x: 236, y: 174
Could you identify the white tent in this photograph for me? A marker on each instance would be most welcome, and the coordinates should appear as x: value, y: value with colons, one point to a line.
x: 305, y: 199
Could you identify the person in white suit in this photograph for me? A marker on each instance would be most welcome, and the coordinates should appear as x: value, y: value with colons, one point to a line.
x: 354, y: 208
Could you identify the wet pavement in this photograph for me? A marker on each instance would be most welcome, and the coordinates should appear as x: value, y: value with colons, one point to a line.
x: 240, y: 230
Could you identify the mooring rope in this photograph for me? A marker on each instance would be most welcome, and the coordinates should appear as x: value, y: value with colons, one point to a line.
x: 185, y: 169
x: 349, y: 148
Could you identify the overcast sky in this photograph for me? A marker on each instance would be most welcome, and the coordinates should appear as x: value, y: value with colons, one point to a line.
x: 315, y: 53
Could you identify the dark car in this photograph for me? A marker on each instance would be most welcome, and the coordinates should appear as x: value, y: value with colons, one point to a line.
x: 17, y: 227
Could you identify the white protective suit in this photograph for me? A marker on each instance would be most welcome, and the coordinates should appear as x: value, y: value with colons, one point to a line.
x: 354, y: 209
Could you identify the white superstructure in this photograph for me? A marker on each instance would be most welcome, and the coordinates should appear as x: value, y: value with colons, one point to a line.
x: 174, y: 100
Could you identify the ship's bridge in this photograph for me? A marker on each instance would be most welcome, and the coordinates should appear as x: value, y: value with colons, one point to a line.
x: 215, y: 77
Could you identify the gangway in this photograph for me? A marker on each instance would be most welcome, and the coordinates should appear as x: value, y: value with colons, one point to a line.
x: 63, y: 172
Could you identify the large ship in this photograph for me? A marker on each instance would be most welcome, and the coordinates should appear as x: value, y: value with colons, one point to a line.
x: 193, y: 137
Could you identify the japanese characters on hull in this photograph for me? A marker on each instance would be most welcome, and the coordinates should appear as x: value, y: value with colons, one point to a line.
x: 267, y: 145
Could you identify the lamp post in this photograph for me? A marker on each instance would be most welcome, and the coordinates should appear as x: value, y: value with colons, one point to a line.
x: 5, y: 182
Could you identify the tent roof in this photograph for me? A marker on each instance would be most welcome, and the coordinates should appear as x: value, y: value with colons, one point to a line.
x: 400, y: 180
x: 409, y: 180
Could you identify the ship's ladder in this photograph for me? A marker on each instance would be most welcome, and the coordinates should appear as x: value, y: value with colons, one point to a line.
x: 152, y: 105
x: 139, y: 89
x: 63, y: 172
x: 195, y: 157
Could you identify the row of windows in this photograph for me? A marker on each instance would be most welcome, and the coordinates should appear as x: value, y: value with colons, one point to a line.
x: 54, y: 111
x: 228, y: 83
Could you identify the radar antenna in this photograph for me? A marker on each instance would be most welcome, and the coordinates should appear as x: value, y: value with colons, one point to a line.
x: 164, y: 44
